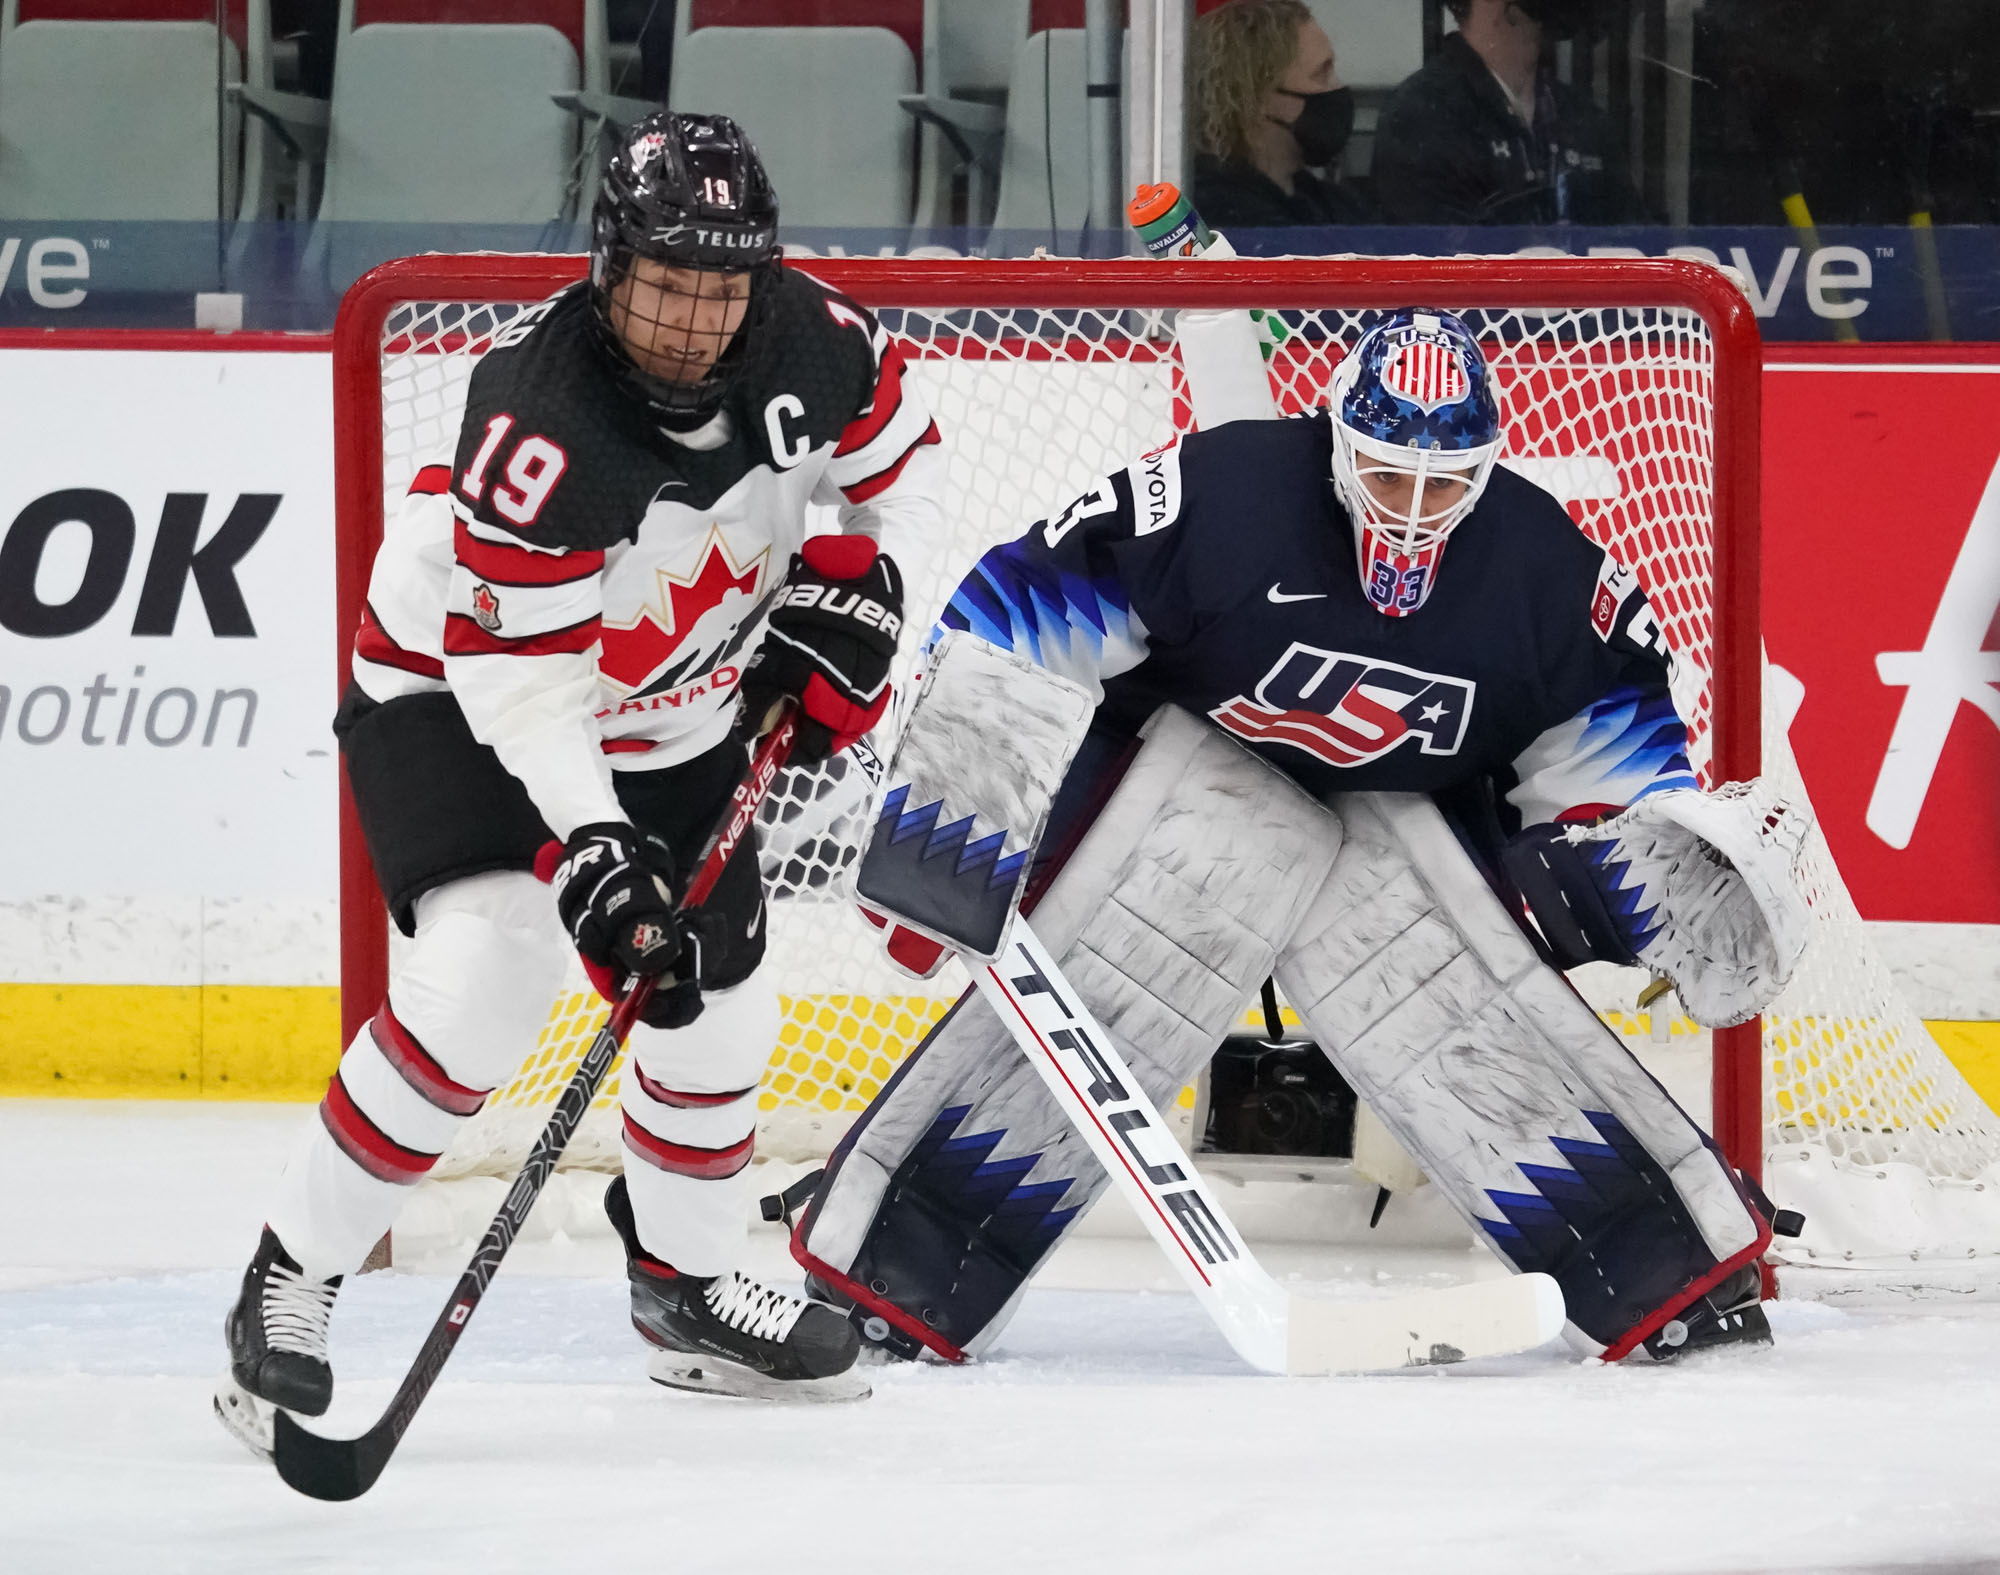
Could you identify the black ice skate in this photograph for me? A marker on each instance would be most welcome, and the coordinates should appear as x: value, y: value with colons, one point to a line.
x: 277, y: 1346
x: 728, y: 1334
x: 1731, y: 1314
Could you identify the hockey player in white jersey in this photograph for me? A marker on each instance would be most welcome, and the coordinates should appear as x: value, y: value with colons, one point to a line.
x: 1375, y: 718
x: 557, y: 629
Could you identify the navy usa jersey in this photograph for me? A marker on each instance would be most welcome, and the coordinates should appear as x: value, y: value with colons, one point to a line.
x: 1218, y: 573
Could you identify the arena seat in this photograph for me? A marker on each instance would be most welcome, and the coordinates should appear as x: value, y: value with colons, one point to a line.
x: 820, y: 103
x: 1044, y: 166
x: 435, y: 121
x: 108, y: 109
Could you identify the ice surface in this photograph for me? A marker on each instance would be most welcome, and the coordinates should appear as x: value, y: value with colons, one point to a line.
x: 1111, y: 1430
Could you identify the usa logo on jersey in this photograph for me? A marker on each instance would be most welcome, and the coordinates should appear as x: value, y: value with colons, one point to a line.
x: 1347, y: 710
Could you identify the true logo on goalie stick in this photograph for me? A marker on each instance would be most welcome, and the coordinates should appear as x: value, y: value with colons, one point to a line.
x: 1347, y: 710
x: 1126, y: 1115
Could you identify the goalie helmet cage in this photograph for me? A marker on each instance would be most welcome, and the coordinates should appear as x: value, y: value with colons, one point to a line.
x: 1629, y: 388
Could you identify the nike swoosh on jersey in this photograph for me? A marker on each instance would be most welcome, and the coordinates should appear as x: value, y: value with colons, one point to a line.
x: 1281, y: 597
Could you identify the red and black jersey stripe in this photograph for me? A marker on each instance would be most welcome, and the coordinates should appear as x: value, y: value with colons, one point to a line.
x: 499, y: 563
x: 684, y: 1159
x: 431, y: 481
x: 373, y: 644
x: 367, y: 1144
x: 870, y: 424
x: 861, y: 491
x: 659, y: 1093
x: 400, y: 1049
x: 464, y: 637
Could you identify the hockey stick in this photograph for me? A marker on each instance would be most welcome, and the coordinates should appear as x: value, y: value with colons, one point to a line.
x: 344, y: 1468
x: 1271, y: 1328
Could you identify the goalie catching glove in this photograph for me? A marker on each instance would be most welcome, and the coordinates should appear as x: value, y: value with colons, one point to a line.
x: 614, y: 892
x: 832, y: 637
x: 1699, y: 887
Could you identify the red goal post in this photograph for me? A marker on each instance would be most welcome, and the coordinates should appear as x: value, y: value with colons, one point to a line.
x: 1708, y: 548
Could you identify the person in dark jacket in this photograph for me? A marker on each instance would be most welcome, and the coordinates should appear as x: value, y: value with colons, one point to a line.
x: 1485, y: 134
x: 1269, y: 112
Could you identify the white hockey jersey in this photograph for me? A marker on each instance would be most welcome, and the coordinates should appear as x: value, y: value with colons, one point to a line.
x: 589, y: 585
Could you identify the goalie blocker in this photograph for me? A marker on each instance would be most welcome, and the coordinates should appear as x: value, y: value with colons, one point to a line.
x: 1205, y: 872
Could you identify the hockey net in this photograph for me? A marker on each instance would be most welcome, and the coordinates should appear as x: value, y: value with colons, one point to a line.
x: 1629, y: 390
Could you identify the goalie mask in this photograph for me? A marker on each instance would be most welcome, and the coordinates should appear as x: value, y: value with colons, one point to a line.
x: 683, y: 249
x: 1416, y: 430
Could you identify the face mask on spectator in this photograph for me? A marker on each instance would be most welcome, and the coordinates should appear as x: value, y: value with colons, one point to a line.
x: 1325, y: 120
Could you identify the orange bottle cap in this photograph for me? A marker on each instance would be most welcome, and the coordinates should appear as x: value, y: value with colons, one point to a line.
x: 1152, y: 202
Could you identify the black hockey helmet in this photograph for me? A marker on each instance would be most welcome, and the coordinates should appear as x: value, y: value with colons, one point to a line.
x: 687, y: 192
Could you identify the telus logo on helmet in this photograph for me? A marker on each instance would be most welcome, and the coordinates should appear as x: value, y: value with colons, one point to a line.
x: 722, y: 240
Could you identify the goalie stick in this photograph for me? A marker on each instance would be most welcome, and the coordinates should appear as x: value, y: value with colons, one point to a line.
x: 345, y: 1468
x: 1270, y: 1327
x: 962, y: 794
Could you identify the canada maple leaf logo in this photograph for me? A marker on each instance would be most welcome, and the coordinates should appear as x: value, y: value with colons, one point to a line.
x: 485, y: 608
x: 672, y: 624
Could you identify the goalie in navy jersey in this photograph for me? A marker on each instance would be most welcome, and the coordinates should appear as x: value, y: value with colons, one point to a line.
x: 1476, y: 700
x: 558, y: 625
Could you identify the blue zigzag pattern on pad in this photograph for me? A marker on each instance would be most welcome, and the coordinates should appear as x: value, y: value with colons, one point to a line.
x: 1639, y: 925
x: 959, y: 1170
x: 1540, y: 1228
x: 942, y: 839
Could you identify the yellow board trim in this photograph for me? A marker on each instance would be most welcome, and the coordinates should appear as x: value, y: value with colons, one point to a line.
x: 282, y: 1042
x: 149, y: 1041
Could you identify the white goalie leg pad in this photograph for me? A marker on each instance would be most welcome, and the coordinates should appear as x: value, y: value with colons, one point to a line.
x: 1720, y: 873
x: 1166, y: 919
x: 1517, y: 1101
x: 970, y: 788
x: 689, y: 1099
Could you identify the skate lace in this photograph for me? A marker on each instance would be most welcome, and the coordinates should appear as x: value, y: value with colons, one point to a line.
x: 756, y: 1310
x: 296, y: 1311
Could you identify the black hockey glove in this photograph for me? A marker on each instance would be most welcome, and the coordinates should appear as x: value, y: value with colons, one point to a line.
x: 833, y: 634
x: 614, y: 893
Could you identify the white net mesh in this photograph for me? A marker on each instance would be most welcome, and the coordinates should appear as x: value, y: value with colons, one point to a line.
x: 1611, y: 409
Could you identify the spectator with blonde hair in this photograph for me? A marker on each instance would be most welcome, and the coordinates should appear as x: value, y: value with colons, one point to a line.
x: 1268, y: 110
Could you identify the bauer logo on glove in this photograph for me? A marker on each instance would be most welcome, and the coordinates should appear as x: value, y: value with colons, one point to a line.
x: 832, y: 637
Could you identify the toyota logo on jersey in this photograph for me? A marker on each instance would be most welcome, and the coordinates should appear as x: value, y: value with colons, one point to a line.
x: 1427, y: 372
x: 1347, y: 710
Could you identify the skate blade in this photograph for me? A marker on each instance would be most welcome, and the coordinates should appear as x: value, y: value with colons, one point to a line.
x: 247, y: 1419
x: 704, y: 1375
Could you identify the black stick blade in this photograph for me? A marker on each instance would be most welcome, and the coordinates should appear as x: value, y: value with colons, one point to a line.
x: 334, y: 1469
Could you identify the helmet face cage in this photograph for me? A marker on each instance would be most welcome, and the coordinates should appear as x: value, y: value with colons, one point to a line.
x: 683, y: 255
x: 1416, y: 432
